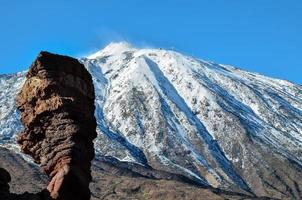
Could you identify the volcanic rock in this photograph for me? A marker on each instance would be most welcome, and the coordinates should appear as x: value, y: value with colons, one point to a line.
x: 57, y: 111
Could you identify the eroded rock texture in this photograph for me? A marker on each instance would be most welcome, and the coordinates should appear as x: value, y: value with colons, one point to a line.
x: 57, y: 111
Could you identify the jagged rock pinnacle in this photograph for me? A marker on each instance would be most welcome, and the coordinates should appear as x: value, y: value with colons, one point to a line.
x: 57, y: 111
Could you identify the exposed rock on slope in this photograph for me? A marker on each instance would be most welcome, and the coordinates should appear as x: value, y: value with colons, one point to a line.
x: 57, y: 111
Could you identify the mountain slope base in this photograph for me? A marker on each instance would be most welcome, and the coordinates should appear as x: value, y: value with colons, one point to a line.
x: 109, y: 183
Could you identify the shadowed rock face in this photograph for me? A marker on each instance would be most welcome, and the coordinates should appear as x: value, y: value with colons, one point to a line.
x: 57, y: 111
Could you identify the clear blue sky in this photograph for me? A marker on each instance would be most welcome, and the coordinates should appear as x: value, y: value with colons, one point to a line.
x: 263, y: 36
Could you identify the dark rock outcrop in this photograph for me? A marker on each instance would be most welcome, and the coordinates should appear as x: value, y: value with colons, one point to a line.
x: 5, y: 194
x: 20, y: 180
x: 57, y: 111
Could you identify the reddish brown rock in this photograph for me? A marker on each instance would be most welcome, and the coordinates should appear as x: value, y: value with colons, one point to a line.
x: 57, y: 111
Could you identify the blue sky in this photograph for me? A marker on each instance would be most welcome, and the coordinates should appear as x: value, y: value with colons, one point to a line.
x: 262, y: 36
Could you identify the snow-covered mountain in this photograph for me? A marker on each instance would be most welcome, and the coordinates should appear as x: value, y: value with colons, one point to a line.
x: 215, y: 124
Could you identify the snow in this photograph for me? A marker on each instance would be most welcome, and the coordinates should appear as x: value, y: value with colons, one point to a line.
x: 111, y: 49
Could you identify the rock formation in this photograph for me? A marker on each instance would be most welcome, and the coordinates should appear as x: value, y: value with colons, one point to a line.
x: 57, y: 111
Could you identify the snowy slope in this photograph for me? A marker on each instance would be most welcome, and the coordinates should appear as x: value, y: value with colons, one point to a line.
x: 216, y: 124
x: 9, y: 118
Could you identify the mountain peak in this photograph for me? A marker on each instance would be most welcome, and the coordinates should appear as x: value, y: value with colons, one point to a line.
x: 112, y: 48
